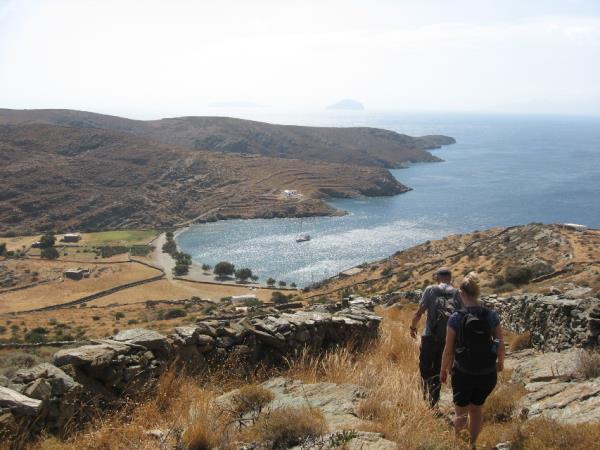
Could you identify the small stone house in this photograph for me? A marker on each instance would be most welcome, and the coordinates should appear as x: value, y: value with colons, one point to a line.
x: 71, y: 237
x: 76, y: 274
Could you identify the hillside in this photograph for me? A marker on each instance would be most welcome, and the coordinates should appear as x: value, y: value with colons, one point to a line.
x: 363, y: 146
x: 57, y: 177
x: 530, y: 258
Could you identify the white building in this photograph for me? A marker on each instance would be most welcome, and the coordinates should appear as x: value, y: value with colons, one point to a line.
x: 237, y: 299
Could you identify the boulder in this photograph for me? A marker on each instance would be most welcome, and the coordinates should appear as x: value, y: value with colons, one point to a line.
x: 149, y: 339
x: 87, y: 354
x: 19, y: 404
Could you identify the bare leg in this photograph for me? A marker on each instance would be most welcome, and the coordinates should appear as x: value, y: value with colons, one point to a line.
x: 460, y: 419
x: 475, y: 419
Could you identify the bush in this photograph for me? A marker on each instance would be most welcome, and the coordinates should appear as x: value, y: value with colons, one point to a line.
x: 36, y: 335
x: 387, y: 271
x: 49, y: 253
x: 2, y: 248
x: 174, y: 313
x: 282, y: 284
x: 243, y: 274
x: 224, y: 268
x: 279, y: 298
x: 502, y: 404
x: 206, y: 267
x: 109, y: 251
x: 119, y: 315
x: 250, y: 399
x: 181, y: 269
x: 270, y: 281
x: 294, y: 285
x: 588, y: 364
x: 518, y: 275
x: 288, y: 426
x: 47, y: 240
x: 521, y: 342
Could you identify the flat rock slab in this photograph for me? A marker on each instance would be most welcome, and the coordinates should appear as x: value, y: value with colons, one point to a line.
x: 84, y: 355
x: 573, y: 402
x: 18, y: 403
x: 149, y: 339
x: 337, y: 402
x: 363, y: 440
x: 531, y: 366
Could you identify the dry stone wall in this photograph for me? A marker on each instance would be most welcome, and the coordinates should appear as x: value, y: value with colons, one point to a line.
x: 556, y: 322
x: 50, y: 396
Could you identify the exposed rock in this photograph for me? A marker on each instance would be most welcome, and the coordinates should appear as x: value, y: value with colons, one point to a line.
x: 87, y: 354
x: 150, y: 339
x: 337, y: 402
x: 18, y: 403
x: 554, y: 389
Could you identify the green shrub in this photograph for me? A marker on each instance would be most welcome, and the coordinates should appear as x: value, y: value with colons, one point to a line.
x: 224, y: 268
x: 119, y: 315
x: 243, y: 274
x: 271, y: 281
x: 174, y: 313
x: 36, y: 335
x: 518, y: 275
x: 279, y: 298
x: 49, y: 253
x: 282, y: 283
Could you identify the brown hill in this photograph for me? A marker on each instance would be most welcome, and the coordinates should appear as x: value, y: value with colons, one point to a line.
x: 531, y: 257
x: 57, y: 177
x: 364, y: 146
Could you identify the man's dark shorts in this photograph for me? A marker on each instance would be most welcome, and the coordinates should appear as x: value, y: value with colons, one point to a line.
x: 472, y: 389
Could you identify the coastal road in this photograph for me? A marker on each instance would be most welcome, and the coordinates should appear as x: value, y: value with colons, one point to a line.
x: 163, y: 260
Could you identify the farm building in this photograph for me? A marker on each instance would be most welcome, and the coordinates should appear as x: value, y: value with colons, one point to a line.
x: 71, y: 237
x: 76, y: 274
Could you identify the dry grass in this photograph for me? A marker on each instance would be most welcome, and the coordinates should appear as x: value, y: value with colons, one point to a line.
x: 251, y: 398
x: 520, y: 342
x: 588, y: 364
x: 502, y: 404
x: 285, y: 427
x: 183, y: 407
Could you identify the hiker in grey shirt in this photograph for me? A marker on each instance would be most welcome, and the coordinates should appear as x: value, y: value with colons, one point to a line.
x: 439, y: 301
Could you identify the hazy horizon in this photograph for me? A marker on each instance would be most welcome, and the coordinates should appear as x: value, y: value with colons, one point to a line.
x: 169, y: 59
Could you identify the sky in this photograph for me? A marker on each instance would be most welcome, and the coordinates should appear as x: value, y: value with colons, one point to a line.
x: 151, y: 58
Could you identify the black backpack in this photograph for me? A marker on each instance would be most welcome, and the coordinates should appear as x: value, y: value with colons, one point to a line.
x: 444, y: 308
x: 474, y: 349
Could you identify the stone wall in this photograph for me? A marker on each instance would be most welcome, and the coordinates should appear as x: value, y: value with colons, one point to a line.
x: 556, y: 322
x: 50, y: 396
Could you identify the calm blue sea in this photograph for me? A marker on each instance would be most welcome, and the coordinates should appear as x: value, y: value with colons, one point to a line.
x: 504, y: 170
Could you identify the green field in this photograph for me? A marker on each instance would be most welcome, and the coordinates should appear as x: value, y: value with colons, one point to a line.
x: 119, y: 237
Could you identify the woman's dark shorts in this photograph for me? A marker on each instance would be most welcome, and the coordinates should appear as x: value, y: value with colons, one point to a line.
x: 472, y: 389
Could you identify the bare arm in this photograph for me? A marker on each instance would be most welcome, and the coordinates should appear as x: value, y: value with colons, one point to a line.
x: 415, y: 320
x: 501, y: 350
x: 448, y: 355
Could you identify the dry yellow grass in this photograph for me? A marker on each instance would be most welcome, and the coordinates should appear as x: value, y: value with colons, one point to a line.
x: 61, y: 290
x: 393, y: 406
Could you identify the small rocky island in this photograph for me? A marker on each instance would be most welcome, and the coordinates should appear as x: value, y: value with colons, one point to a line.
x: 348, y: 104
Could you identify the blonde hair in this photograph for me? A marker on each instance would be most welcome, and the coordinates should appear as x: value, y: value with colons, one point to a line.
x: 470, y: 285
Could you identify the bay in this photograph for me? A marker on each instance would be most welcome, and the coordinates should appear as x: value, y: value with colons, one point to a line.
x: 504, y: 170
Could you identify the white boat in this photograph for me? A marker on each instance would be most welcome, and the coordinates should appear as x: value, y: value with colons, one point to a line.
x: 303, y: 237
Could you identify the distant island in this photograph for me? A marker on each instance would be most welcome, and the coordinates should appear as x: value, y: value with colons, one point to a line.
x: 348, y: 104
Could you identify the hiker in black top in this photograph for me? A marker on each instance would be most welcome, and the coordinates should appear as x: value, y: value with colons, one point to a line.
x: 439, y: 301
x: 475, y: 351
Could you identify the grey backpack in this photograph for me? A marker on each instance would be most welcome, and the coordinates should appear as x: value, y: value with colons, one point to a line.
x: 445, y: 306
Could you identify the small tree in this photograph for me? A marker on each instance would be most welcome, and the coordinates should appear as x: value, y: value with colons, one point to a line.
x: 224, y: 268
x: 279, y: 298
x: 181, y: 269
x: 271, y: 281
x: 49, y: 253
x: 293, y: 285
x: 282, y: 283
x: 243, y: 274
x: 47, y: 240
x: 206, y: 267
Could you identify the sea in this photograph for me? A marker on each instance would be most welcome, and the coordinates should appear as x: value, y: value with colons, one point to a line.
x: 503, y: 170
